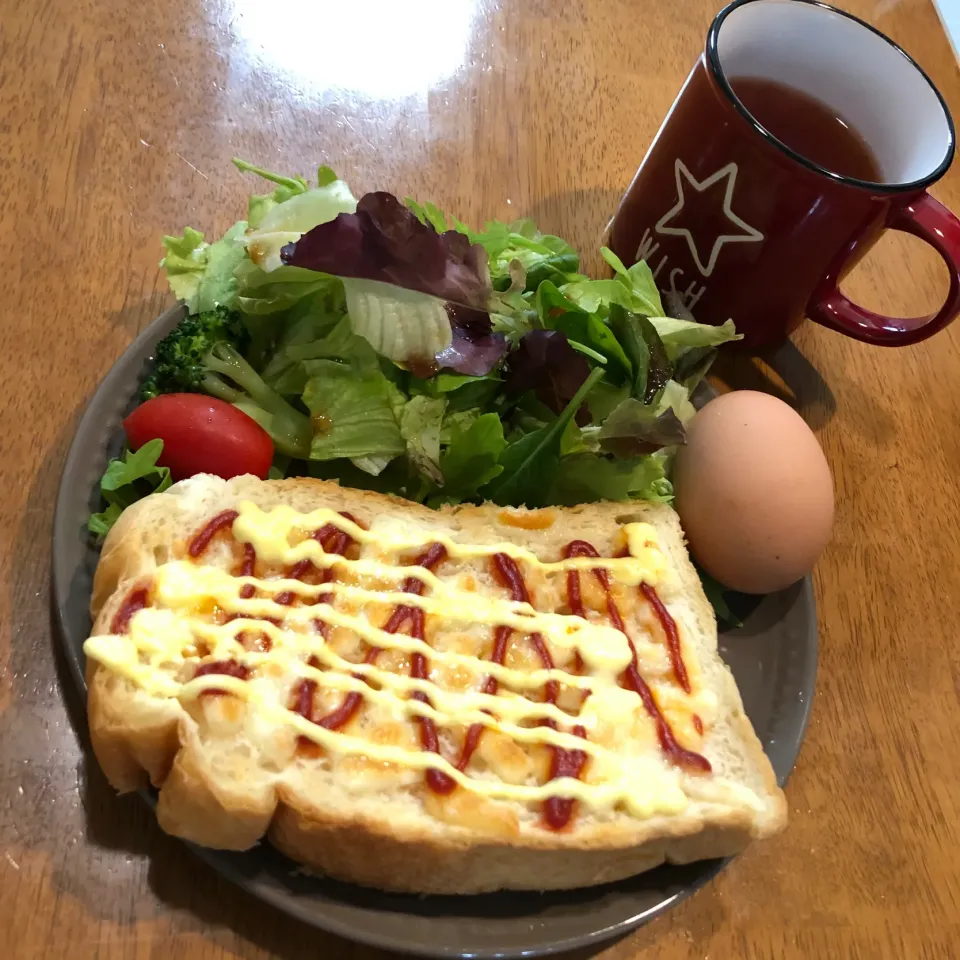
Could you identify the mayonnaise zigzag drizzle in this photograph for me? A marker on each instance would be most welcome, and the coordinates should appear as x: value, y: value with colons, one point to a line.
x: 170, y: 633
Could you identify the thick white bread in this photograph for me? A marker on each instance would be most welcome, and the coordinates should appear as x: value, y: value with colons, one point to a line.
x: 226, y: 779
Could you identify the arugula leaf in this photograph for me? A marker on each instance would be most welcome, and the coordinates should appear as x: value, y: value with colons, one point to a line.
x: 692, y: 365
x: 627, y: 328
x: 550, y: 302
x: 585, y: 330
x: 717, y: 594
x: 471, y: 459
x: 589, y: 329
x: 651, y: 368
x: 586, y: 478
x: 127, y: 479
x: 528, y: 462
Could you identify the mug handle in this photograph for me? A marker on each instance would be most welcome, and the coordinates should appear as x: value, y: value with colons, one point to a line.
x: 932, y: 222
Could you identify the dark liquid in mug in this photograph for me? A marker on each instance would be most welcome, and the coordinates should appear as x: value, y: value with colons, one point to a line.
x: 809, y: 127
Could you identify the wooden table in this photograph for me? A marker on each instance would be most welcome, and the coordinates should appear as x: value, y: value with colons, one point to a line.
x: 117, y: 124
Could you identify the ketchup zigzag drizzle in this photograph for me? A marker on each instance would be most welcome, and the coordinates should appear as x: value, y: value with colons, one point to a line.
x: 507, y: 573
x: 135, y: 601
x: 339, y: 542
x: 402, y: 616
x: 631, y: 676
x: 670, y: 630
x: 333, y: 540
x: 222, y: 521
x: 557, y: 811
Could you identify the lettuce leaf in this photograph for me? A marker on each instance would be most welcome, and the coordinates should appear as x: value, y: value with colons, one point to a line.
x: 418, y: 296
x: 260, y: 293
x: 352, y: 415
x: 290, y: 210
x: 472, y: 458
x: 399, y: 324
x: 510, y: 246
x: 310, y: 321
x: 676, y: 397
x: 677, y: 335
x: 635, y: 428
x: 384, y: 241
x: 201, y: 274
x: 185, y: 261
x: 633, y: 289
x: 286, y: 222
x: 420, y: 423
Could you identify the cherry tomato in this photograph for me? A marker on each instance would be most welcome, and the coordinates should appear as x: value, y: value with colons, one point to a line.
x: 201, y: 434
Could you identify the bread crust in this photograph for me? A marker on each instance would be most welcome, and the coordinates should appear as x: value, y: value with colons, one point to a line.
x: 138, y: 738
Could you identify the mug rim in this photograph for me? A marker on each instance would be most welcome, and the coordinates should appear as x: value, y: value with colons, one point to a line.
x: 717, y: 72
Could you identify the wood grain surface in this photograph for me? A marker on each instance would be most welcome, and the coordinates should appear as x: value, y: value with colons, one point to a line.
x: 117, y: 124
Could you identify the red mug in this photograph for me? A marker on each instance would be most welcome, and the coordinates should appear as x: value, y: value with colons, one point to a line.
x: 735, y: 223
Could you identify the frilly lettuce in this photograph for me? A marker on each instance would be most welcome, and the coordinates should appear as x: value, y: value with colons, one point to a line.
x: 202, y: 274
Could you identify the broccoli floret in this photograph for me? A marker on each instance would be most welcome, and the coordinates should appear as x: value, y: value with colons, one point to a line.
x: 180, y: 356
x: 203, y: 354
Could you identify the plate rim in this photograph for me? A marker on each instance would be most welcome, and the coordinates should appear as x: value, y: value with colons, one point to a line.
x: 277, y: 898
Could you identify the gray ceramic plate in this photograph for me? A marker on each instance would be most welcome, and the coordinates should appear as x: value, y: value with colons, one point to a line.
x: 774, y: 658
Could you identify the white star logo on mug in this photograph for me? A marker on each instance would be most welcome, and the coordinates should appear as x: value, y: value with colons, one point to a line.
x: 745, y: 233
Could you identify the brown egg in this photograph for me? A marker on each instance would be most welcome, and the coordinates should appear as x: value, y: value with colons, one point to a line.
x: 754, y: 492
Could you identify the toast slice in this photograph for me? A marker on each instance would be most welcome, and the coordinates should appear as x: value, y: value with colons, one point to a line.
x: 451, y: 701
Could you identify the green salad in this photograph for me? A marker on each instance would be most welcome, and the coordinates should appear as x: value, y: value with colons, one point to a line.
x: 389, y: 346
